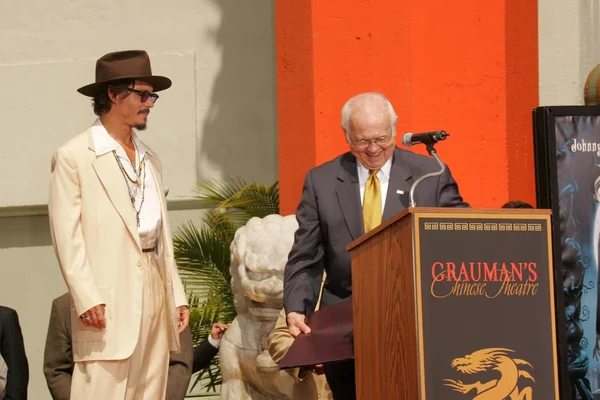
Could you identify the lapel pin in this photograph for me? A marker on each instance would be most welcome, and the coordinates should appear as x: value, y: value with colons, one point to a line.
x: 400, y: 191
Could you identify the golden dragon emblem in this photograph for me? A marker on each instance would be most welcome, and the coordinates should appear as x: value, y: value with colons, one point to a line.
x: 493, y: 359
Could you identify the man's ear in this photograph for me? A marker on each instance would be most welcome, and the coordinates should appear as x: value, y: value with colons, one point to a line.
x: 114, y: 97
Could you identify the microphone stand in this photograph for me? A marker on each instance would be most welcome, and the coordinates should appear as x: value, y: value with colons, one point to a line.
x: 432, y: 152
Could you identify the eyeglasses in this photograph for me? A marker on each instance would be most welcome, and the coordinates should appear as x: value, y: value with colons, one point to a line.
x: 145, y: 95
x: 363, y: 144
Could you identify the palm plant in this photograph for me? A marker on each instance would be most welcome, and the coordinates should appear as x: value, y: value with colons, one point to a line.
x: 203, y: 256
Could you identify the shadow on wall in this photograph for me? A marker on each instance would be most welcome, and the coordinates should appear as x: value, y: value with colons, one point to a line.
x: 33, y: 231
x: 239, y: 132
x: 589, y: 29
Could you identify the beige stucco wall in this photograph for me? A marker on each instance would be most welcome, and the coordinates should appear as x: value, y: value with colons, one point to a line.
x: 569, y: 47
x: 217, y: 120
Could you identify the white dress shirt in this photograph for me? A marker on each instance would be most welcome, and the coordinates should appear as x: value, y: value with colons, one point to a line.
x: 214, y: 342
x: 384, y: 179
x: 150, y: 212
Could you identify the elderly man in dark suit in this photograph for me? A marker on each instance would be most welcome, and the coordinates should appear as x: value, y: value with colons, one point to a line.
x: 12, y: 350
x: 58, y: 359
x: 346, y: 197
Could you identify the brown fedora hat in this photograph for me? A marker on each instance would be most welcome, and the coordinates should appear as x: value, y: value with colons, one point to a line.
x: 129, y: 64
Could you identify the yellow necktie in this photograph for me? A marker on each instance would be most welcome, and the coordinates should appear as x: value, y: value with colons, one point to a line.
x: 372, y: 202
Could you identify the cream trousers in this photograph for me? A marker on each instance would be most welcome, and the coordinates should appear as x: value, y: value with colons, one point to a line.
x: 143, y: 376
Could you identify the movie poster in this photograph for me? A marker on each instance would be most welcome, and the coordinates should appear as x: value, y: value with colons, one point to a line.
x: 568, y: 177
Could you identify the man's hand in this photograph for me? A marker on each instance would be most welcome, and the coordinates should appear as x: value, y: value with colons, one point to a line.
x: 297, y: 324
x: 184, y: 317
x: 94, y: 317
x: 218, y: 330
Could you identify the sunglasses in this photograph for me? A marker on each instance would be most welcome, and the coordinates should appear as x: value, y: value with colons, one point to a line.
x: 145, y: 95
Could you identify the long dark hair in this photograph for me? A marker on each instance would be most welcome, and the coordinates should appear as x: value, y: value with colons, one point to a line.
x: 102, y: 102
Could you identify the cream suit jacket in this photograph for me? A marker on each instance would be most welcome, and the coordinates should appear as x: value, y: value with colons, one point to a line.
x: 97, y: 244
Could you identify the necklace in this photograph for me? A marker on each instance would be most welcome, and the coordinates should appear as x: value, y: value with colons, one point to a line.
x: 137, y: 172
x: 127, y: 178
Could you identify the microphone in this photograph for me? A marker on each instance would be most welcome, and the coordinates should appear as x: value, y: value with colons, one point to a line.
x: 428, y: 139
x: 410, y: 139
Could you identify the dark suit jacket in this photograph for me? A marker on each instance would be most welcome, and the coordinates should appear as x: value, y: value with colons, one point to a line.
x: 13, y: 352
x: 330, y: 216
x: 203, y: 354
x: 58, y: 359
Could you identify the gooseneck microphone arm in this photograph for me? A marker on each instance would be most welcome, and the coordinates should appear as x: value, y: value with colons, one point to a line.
x: 431, y: 150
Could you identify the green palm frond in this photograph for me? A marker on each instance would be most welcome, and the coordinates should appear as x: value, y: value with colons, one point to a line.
x: 210, y: 377
x: 255, y: 200
x: 203, y: 250
x: 239, y: 201
x: 217, y: 307
x: 201, y: 286
x: 219, y: 223
x: 203, y: 256
x: 215, y: 192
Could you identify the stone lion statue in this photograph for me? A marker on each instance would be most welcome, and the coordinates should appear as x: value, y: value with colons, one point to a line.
x: 259, y: 253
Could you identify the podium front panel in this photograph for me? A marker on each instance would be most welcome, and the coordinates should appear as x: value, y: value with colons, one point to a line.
x: 485, y: 307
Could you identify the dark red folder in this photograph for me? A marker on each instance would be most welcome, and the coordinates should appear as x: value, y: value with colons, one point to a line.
x: 330, y: 339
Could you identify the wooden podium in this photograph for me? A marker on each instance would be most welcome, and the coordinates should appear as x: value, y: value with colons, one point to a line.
x: 450, y: 303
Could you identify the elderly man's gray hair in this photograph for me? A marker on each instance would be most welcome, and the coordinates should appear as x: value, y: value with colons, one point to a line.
x: 348, y: 109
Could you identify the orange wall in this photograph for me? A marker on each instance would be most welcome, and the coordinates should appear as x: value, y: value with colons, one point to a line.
x: 471, y: 71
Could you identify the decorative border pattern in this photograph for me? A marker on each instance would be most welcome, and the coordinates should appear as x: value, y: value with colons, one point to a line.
x: 479, y: 226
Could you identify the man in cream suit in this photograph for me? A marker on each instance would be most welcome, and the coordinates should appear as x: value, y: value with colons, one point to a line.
x: 58, y: 356
x: 108, y: 219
